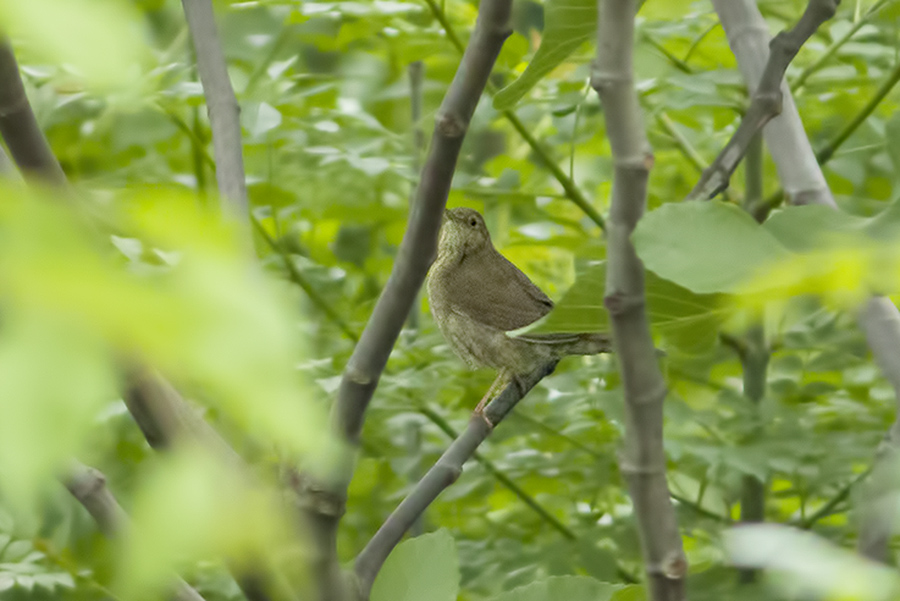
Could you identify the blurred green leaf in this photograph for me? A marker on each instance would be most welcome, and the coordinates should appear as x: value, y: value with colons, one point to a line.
x: 101, y: 38
x: 804, y: 564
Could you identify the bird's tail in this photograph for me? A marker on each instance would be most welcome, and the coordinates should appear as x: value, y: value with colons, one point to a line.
x: 573, y: 344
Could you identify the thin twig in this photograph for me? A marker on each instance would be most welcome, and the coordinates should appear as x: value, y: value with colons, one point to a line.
x: 444, y: 473
x: 767, y: 99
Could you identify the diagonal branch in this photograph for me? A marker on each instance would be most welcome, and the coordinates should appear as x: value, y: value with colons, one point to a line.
x: 88, y: 486
x: 444, y: 473
x: 767, y: 99
x: 325, y: 501
x: 643, y: 460
x: 573, y: 193
x: 19, y: 127
x: 879, y: 318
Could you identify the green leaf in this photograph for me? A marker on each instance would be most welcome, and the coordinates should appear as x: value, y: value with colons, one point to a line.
x: 568, y: 24
x: 569, y: 588
x: 704, y: 246
x: 689, y: 321
x: 425, y: 568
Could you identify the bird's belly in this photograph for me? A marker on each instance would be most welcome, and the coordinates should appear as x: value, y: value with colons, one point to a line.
x: 480, y: 345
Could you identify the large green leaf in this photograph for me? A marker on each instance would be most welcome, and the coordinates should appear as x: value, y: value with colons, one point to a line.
x: 705, y: 246
x: 425, y: 568
x: 569, y: 588
x: 568, y: 24
x: 687, y: 320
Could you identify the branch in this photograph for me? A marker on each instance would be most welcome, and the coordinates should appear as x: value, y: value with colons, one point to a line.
x: 222, y: 106
x: 767, y: 99
x: 88, y: 486
x: 785, y: 137
x: 572, y: 191
x: 325, y: 501
x: 879, y: 318
x: 643, y: 460
x: 19, y: 127
x: 444, y: 473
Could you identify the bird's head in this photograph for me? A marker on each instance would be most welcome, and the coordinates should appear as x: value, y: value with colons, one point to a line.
x: 462, y: 233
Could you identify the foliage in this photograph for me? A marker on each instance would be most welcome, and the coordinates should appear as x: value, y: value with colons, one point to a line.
x: 330, y: 161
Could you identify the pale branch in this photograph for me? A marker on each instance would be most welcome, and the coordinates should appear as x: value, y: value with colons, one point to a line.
x: 785, y: 137
x: 444, y: 473
x: 19, y: 126
x: 88, y: 486
x: 827, y: 152
x: 767, y: 99
x: 643, y: 459
x: 222, y: 106
x: 802, y: 178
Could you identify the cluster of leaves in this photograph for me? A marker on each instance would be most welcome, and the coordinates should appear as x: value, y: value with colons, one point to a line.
x: 329, y: 149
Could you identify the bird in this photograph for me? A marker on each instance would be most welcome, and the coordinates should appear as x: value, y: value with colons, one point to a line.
x: 477, y: 295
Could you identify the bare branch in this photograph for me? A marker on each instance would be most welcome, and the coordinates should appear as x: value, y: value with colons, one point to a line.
x: 572, y: 191
x: 88, y: 486
x: 767, y: 99
x: 444, y: 473
x: 643, y: 461
x: 19, y: 127
x: 222, y: 106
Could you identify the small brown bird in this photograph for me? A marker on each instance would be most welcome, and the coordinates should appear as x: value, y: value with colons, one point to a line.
x: 477, y: 296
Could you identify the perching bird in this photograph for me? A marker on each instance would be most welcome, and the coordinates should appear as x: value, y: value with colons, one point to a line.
x: 477, y: 295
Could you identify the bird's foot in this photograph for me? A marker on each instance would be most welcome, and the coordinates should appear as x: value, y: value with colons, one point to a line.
x: 479, y: 409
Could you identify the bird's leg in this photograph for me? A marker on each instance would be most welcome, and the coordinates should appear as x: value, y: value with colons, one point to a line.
x: 499, y: 384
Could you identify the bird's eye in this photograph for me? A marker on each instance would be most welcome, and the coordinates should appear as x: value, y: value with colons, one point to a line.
x: 473, y: 222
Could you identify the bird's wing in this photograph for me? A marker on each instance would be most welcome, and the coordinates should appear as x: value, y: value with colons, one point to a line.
x: 488, y: 288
